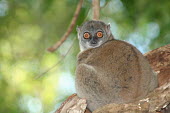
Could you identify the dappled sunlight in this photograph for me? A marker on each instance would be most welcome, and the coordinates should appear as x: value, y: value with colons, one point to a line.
x: 66, y: 84
x: 23, y: 15
x: 48, y: 60
x: 49, y: 85
x: 6, y: 50
x: 28, y: 28
x: 31, y: 104
x: 18, y: 75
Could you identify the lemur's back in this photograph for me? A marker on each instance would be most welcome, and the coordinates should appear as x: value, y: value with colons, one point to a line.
x: 115, y: 72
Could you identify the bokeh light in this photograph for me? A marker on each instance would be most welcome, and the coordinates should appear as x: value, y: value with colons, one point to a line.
x: 29, y: 27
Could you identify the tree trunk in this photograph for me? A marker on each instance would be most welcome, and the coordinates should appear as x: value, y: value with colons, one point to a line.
x: 157, y: 101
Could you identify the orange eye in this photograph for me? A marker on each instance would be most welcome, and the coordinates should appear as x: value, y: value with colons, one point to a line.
x: 86, y: 35
x: 99, y: 34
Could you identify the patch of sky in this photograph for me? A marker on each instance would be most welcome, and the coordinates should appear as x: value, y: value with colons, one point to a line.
x: 66, y: 84
x: 142, y: 41
x: 31, y: 104
x: 3, y: 7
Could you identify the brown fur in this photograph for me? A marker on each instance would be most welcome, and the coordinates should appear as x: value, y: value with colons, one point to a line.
x: 115, y: 72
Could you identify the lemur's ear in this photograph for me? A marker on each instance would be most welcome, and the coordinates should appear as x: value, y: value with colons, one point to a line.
x: 78, y: 28
x: 108, y: 31
x: 108, y: 25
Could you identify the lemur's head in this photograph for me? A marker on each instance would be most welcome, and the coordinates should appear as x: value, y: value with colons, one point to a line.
x: 92, y: 34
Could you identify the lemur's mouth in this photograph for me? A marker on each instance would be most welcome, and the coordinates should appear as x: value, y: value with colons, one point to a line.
x: 94, y: 45
x: 97, y: 44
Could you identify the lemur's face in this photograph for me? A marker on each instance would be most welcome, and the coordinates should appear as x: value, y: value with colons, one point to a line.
x: 92, y: 34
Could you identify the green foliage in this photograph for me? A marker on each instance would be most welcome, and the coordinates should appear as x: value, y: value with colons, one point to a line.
x: 29, y: 27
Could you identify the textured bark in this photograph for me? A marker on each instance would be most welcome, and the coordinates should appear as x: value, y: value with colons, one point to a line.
x: 159, y: 59
x: 157, y: 101
x: 73, y: 104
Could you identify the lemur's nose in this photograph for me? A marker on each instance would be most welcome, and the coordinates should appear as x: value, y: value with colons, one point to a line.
x: 94, y: 42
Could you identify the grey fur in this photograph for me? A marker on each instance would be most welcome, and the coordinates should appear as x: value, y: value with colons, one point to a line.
x: 114, y: 71
x: 93, y: 27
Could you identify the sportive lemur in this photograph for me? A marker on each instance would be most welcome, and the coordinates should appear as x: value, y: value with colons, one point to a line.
x: 110, y: 70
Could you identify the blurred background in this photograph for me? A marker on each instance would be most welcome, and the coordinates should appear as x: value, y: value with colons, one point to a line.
x: 29, y: 27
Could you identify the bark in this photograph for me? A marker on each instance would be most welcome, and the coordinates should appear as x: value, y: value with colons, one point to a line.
x: 73, y: 104
x: 157, y: 101
x: 96, y: 9
x: 159, y: 60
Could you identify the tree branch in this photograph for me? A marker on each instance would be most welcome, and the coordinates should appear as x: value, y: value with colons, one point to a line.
x: 157, y: 101
x: 73, y: 104
x: 52, y: 67
x: 96, y: 9
x: 154, y: 102
x: 69, y: 30
x: 159, y: 59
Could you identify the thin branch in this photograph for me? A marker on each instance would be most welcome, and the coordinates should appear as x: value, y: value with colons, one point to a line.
x: 61, y: 59
x: 96, y: 9
x: 69, y: 30
x: 106, y: 3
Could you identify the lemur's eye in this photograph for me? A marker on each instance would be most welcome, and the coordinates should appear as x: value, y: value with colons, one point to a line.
x: 99, y: 34
x: 86, y: 35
